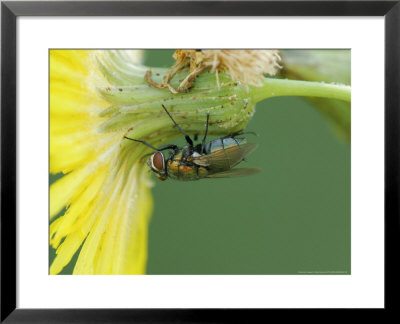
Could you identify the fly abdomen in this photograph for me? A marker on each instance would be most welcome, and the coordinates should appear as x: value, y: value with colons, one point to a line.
x: 223, y: 143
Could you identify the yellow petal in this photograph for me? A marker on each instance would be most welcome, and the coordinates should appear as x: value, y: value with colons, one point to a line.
x: 63, y: 189
x: 115, y: 242
x: 108, y: 200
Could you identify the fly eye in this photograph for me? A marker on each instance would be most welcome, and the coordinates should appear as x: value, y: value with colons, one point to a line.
x: 158, y: 161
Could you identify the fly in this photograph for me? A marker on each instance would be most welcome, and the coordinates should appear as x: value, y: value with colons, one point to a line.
x: 214, y: 159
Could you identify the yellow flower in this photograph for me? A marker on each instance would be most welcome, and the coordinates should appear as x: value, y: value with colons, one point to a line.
x: 99, y: 97
x: 109, y: 202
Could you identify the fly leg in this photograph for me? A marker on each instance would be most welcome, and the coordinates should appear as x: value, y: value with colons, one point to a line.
x: 187, y: 137
x: 203, y: 142
x: 159, y: 149
x: 241, y: 133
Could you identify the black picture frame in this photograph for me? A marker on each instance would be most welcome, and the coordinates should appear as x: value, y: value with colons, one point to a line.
x: 9, y: 13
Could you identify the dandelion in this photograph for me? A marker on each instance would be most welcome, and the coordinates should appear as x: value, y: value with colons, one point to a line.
x: 99, y: 97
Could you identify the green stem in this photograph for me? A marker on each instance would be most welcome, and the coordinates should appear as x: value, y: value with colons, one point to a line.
x: 280, y: 87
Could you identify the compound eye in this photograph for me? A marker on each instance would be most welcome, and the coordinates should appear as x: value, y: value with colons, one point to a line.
x: 158, y: 161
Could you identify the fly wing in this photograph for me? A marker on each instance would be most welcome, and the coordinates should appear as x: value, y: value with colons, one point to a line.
x: 241, y: 172
x: 225, y: 158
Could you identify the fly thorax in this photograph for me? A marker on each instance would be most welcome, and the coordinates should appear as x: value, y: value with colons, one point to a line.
x: 186, y: 152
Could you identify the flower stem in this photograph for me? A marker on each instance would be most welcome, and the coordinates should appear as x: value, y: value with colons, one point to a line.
x: 280, y: 87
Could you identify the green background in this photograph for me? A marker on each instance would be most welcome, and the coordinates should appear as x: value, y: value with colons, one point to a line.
x: 292, y: 218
